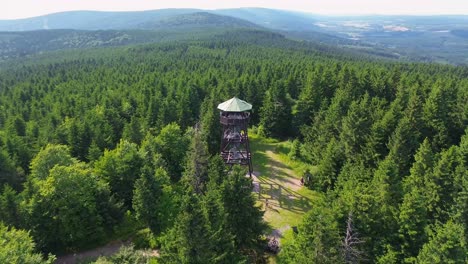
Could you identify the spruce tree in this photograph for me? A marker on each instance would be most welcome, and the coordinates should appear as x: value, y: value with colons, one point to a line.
x: 147, y: 197
x: 244, y: 218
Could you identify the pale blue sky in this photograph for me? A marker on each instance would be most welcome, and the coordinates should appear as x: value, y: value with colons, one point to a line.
x: 27, y: 8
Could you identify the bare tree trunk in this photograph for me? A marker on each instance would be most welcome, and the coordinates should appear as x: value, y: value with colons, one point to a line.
x: 351, y: 253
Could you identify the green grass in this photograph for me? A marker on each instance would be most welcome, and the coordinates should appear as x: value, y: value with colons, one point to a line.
x: 279, y: 178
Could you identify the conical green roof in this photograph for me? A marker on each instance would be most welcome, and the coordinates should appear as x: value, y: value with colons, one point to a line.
x: 235, y: 105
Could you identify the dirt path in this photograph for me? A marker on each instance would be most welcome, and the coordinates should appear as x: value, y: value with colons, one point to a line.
x: 91, y: 254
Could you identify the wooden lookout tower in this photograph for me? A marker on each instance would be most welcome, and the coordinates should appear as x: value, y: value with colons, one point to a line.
x: 234, y: 118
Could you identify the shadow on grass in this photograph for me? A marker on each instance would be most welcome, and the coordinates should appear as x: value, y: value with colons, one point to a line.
x: 278, y: 187
x: 283, y: 198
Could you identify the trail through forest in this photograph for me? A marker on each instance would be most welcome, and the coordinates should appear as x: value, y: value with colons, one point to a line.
x: 91, y: 254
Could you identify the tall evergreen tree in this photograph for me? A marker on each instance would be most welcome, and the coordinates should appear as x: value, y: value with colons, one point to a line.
x: 147, y: 197
x: 189, y: 240
x: 447, y: 245
x: 276, y: 112
x: 244, y: 218
x: 317, y: 241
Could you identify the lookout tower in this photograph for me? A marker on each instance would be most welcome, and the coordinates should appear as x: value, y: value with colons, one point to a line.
x: 234, y: 118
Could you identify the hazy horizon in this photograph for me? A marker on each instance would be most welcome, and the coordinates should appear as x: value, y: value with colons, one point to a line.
x: 16, y: 10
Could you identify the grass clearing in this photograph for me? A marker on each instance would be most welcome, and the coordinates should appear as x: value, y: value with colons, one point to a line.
x: 279, y: 183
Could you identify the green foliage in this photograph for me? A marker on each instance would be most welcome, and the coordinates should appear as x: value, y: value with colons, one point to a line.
x: 8, y: 173
x: 66, y: 193
x: 133, y: 131
x: 413, y: 221
x: 440, y: 116
x: 329, y: 167
x: 9, y: 207
x: 447, y: 245
x: 147, y: 198
x: 209, y: 122
x: 196, y: 168
x: 244, y: 218
x: 295, y: 152
x: 317, y: 241
x: 120, y: 168
x: 172, y: 144
x: 222, y: 239
x: 403, y: 144
x: 188, y: 241
x: 387, y: 139
x: 48, y: 158
x: 355, y: 127
x: 276, y: 112
x: 17, y: 246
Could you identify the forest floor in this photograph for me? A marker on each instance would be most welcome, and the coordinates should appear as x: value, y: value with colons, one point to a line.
x: 102, y: 251
x: 278, y: 186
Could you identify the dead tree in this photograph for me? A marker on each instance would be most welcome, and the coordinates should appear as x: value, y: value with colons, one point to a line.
x: 351, y: 253
x: 198, y: 161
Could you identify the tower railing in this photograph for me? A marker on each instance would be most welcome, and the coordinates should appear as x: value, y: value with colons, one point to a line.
x: 230, y: 119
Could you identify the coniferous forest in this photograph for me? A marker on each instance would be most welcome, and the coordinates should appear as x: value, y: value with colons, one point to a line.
x: 124, y: 141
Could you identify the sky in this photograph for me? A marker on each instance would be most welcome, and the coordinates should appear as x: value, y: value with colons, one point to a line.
x: 13, y: 9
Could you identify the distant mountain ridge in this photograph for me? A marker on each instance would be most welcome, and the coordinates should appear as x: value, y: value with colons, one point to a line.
x: 420, y: 38
x: 90, y: 20
x: 167, y: 27
x: 102, y: 20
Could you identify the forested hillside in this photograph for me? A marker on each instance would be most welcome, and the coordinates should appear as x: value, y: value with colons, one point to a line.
x: 435, y: 38
x: 200, y: 25
x: 96, y: 146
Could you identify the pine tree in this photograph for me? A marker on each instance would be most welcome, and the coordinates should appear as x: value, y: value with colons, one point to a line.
x: 189, y: 240
x: 403, y: 144
x: 438, y: 114
x: 447, y: 245
x: 9, y: 207
x: 413, y: 220
x: 196, y: 168
x: 8, y: 173
x: 355, y: 128
x: 443, y: 183
x: 317, y: 241
x: 209, y: 125
x: 421, y: 169
x: 222, y: 240
x: 244, y: 218
x: 147, y: 197
x: 329, y: 167
x: 276, y: 112
x: 132, y: 131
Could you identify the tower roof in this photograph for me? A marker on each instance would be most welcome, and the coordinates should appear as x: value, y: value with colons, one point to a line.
x: 235, y: 105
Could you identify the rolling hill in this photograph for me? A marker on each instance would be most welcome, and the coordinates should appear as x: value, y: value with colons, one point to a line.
x: 94, y: 20
x: 197, y: 20
x: 419, y: 38
x: 90, y: 20
x: 178, y: 27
